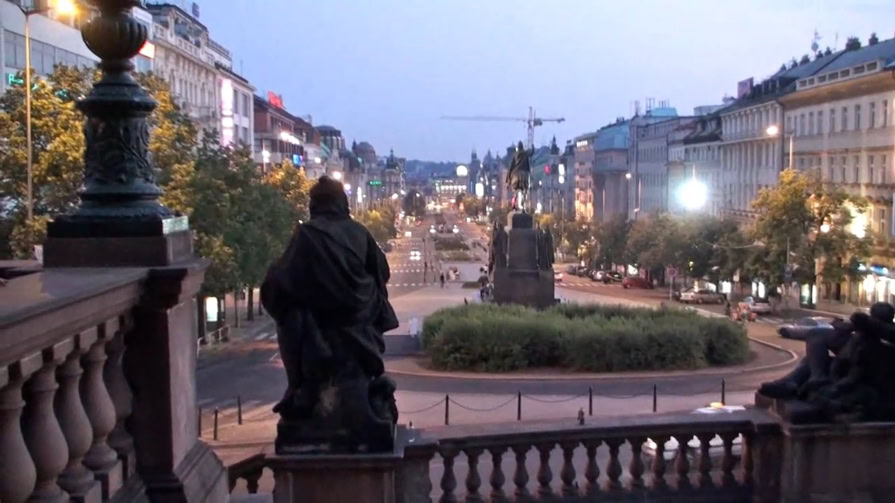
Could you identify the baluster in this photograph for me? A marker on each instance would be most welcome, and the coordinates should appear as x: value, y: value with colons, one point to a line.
x: 17, y: 472
x: 497, y: 478
x: 545, y: 475
x: 448, y: 480
x: 520, y: 476
x: 100, y: 457
x: 122, y: 399
x: 748, y: 444
x: 682, y: 463
x: 635, y: 467
x: 705, y: 461
x: 592, y: 470
x: 567, y: 473
x: 76, y: 479
x: 473, y: 481
x: 252, y: 479
x: 728, y: 462
x: 658, y: 466
x: 42, y: 433
x: 614, y: 467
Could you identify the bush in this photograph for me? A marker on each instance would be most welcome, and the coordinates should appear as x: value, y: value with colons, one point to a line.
x: 595, y: 338
x: 450, y: 244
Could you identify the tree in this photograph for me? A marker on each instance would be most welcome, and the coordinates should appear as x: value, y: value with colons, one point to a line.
x: 813, y: 222
x: 612, y: 238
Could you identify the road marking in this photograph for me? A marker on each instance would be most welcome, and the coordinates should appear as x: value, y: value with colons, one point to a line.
x: 262, y: 335
x: 274, y: 356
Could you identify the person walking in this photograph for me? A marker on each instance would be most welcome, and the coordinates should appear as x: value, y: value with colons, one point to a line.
x: 441, y: 279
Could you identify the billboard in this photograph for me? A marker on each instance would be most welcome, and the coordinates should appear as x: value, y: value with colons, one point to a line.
x: 275, y: 99
x: 743, y: 87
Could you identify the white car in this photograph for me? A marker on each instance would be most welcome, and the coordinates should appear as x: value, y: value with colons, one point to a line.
x: 757, y: 306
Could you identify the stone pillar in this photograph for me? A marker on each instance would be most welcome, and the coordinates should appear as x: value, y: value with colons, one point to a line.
x: 120, y: 393
x: 42, y: 433
x: 98, y: 405
x: 17, y: 472
x: 160, y: 364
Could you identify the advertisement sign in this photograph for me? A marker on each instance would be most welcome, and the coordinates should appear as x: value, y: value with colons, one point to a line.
x: 275, y: 99
x: 743, y: 87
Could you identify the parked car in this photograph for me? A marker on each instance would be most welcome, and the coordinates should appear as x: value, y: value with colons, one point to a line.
x: 753, y: 305
x: 557, y: 276
x: 612, y: 277
x: 636, y: 282
x: 582, y: 271
x: 572, y: 269
x: 597, y: 275
x: 702, y: 296
x: 799, y: 329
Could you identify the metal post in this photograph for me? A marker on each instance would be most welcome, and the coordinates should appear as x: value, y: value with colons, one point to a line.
x: 215, y: 435
x: 723, y: 392
x: 447, y: 409
x: 590, y: 401
x: 199, y: 422
x: 518, y: 406
x: 28, y: 116
x: 238, y: 410
x: 655, y: 398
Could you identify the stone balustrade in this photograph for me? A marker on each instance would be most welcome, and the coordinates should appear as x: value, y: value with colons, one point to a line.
x: 68, y: 391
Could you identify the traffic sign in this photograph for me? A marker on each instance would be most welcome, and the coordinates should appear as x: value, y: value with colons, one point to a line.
x: 671, y: 272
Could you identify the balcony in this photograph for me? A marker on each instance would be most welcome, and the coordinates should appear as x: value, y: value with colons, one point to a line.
x: 90, y: 360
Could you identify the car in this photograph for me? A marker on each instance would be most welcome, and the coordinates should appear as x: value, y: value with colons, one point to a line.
x: 572, y: 269
x: 636, y: 282
x: 799, y: 328
x: 757, y: 306
x: 597, y: 275
x: 612, y: 277
x: 702, y: 296
x: 557, y: 276
x: 583, y: 271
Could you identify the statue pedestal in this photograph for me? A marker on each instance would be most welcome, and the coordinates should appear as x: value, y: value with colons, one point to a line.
x: 324, y: 478
x: 521, y: 282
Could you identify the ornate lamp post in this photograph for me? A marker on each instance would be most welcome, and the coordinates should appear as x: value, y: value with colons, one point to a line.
x: 119, y: 203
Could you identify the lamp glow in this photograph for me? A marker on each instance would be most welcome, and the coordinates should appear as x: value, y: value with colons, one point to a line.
x: 627, y: 176
x: 337, y: 175
x: 65, y: 7
x: 773, y: 130
x: 462, y: 170
x: 693, y: 194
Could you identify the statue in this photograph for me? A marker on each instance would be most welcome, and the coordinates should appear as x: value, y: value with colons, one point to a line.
x: 328, y: 296
x: 858, y: 382
x: 519, y: 175
x: 499, y: 243
x: 545, y: 249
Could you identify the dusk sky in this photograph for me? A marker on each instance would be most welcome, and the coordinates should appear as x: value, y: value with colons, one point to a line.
x: 384, y: 71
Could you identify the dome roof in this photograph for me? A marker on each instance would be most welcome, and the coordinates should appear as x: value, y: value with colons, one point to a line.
x: 365, y: 149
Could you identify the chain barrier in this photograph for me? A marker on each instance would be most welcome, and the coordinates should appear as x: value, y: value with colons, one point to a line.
x: 561, y: 400
x: 486, y: 409
x: 424, y: 409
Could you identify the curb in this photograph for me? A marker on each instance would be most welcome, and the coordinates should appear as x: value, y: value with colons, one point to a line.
x: 793, y: 357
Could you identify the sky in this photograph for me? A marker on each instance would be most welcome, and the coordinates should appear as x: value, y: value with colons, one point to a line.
x: 386, y: 71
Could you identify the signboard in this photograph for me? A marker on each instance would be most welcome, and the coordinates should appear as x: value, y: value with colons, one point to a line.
x: 744, y: 87
x: 671, y: 272
x: 275, y: 99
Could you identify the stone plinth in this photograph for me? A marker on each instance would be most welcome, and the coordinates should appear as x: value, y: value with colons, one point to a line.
x: 325, y: 478
x: 531, y: 287
x: 161, y: 248
x: 833, y: 462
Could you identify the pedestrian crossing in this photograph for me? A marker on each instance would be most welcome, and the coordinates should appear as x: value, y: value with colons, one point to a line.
x: 399, y: 285
x: 266, y: 335
x: 406, y: 270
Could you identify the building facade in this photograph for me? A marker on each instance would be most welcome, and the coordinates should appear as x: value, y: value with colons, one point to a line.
x: 274, y: 135
x: 702, y: 161
x: 650, y: 158
x: 611, y: 178
x: 55, y: 39
x: 843, y: 130
x: 584, y: 175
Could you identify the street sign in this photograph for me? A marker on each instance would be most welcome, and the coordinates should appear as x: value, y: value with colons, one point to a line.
x: 671, y: 272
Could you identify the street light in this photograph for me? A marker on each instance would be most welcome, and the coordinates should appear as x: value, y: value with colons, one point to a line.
x: 774, y: 130
x: 62, y: 7
x: 265, y: 158
x: 337, y: 175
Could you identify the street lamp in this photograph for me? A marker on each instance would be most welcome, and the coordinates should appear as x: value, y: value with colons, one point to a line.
x: 337, y: 175
x: 62, y: 7
x: 774, y: 130
x: 265, y: 158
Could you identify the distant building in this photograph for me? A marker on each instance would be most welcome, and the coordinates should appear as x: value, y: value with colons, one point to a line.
x: 648, y: 156
x: 275, y: 138
x: 610, y: 170
x: 694, y: 153
x: 584, y: 175
x: 842, y: 121
x: 55, y: 39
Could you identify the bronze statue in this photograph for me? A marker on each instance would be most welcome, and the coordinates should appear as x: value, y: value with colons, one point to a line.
x: 858, y: 382
x: 499, y: 242
x: 519, y: 176
x: 328, y: 296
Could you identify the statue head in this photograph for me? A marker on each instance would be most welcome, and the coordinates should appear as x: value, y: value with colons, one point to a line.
x: 328, y: 198
x: 882, y: 311
x: 520, y: 147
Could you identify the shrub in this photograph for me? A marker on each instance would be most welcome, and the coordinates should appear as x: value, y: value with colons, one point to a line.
x: 596, y: 338
x: 450, y: 244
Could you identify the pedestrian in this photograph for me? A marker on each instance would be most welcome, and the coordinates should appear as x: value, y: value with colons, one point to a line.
x: 441, y: 279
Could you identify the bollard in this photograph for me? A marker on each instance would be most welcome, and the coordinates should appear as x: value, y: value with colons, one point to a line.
x: 723, y: 392
x: 215, y: 423
x: 199, y: 422
x: 238, y: 410
x: 518, y: 406
x: 655, y: 397
x: 447, y: 410
x: 590, y: 401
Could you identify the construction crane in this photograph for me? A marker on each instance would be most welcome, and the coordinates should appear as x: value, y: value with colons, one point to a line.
x: 532, y: 121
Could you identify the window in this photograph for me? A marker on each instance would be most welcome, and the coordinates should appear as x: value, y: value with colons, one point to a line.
x: 820, y: 122
x: 789, y: 125
x: 843, y: 168
x: 870, y: 177
x: 884, y: 172
x: 14, y: 52
x: 844, y: 73
x: 871, y: 66
x: 832, y: 121
x: 245, y: 105
x: 885, y: 112
x: 872, y: 115
x: 857, y: 117
x: 810, y: 123
x: 857, y: 169
x: 844, y: 125
x: 831, y: 161
x: 801, y: 163
x: 802, y: 129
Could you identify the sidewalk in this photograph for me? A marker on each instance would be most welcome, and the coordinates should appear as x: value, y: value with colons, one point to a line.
x: 413, y: 309
x: 247, y: 330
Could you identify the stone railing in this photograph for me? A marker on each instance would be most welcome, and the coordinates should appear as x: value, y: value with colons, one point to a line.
x: 97, y: 379
x: 684, y: 457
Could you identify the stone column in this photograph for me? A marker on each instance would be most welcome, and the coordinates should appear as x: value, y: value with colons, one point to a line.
x: 98, y: 405
x: 42, y: 433
x: 120, y: 393
x: 174, y: 465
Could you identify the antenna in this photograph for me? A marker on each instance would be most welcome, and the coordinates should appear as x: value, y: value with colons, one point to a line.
x: 814, y: 42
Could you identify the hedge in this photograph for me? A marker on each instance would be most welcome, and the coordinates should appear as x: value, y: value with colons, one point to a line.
x: 595, y: 338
